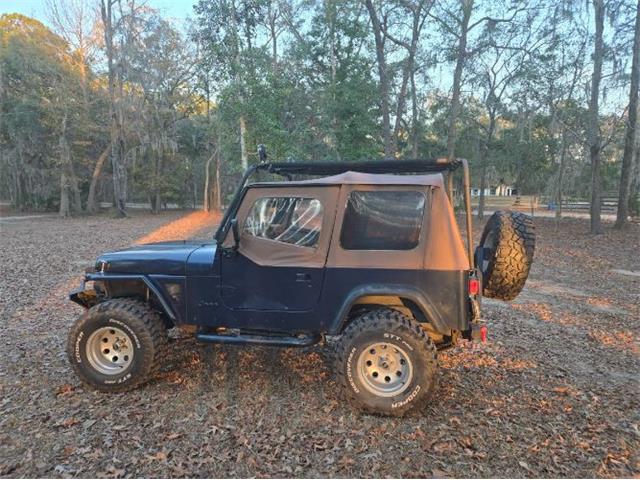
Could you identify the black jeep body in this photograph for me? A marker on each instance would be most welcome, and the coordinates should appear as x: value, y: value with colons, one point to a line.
x: 368, y: 255
x: 187, y: 280
x: 214, y: 285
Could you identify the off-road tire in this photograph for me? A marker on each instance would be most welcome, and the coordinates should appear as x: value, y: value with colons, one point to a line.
x: 142, y: 325
x: 391, y: 327
x: 510, y: 240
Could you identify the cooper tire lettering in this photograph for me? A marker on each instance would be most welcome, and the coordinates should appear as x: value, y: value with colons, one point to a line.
x: 349, y: 371
x: 77, y: 347
x: 408, y: 399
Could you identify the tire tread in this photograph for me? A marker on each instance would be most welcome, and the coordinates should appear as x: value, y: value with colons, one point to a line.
x: 509, y: 268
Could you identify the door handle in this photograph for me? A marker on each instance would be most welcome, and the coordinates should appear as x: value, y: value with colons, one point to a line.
x: 303, y: 277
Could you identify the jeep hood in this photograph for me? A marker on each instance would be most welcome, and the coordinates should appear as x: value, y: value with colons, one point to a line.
x: 165, y: 258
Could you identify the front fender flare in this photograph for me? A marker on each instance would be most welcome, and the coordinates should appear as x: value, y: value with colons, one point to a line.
x: 403, y: 291
x: 79, y: 295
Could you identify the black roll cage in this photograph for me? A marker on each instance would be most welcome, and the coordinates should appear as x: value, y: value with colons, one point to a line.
x: 439, y: 165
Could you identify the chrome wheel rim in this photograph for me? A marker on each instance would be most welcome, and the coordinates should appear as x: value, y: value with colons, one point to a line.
x: 489, y: 243
x: 109, y: 350
x: 384, y: 369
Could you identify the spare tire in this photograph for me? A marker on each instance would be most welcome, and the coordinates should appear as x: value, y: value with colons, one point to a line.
x: 508, y: 241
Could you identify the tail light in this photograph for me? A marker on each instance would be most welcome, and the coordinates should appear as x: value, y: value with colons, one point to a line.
x: 474, y: 286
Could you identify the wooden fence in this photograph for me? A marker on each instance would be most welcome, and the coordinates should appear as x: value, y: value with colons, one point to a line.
x: 526, y: 203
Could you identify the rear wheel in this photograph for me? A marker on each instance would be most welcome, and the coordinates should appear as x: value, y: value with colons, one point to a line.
x: 117, y: 345
x: 509, y: 242
x: 386, y: 363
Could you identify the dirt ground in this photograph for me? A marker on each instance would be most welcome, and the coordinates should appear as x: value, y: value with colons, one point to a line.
x: 554, y: 393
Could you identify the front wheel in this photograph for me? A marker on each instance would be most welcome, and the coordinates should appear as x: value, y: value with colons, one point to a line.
x: 117, y: 345
x: 386, y: 363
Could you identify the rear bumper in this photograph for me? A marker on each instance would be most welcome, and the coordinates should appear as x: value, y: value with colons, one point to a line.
x: 476, y: 329
x: 475, y: 310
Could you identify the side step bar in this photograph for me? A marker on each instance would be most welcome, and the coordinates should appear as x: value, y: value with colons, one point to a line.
x: 269, y: 340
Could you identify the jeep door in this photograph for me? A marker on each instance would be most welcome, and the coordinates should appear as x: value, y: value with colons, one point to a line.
x: 279, y: 266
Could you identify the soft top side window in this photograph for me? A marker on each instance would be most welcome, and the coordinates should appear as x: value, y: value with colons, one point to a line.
x: 293, y: 220
x: 382, y: 220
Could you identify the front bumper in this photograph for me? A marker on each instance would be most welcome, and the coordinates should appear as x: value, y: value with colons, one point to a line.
x: 84, y: 296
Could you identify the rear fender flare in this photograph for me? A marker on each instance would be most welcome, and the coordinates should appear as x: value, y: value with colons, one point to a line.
x: 402, y: 291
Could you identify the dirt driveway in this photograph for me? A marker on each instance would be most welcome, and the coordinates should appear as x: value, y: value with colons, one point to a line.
x: 556, y: 391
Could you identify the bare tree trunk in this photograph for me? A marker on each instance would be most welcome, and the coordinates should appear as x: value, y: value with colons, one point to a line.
x: 195, y: 191
x: 461, y: 57
x: 332, y: 14
x: 484, y: 153
x: 629, y: 141
x: 414, y: 119
x: 563, y: 156
x: 64, y: 196
x: 483, y: 186
x: 17, y: 172
x: 92, y: 204
x: 237, y: 80
x: 207, y: 193
x: 402, y: 95
x: 115, y: 114
x: 65, y: 208
x: 389, y: 144
x: 635, y: 177
x: 408, y: 71
x: 595, y: 140
x: 244, y: 157
x: 76, y: 204
x: 217, y: 204
x: 157, y: 198
x: 273, y: 30
x: 207, y: 92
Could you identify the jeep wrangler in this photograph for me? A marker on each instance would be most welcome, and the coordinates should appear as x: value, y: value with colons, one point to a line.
x: 365, y: 258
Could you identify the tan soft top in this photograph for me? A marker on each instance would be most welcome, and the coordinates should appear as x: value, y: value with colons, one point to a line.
x: 358, y: 178
x: 441, y: 247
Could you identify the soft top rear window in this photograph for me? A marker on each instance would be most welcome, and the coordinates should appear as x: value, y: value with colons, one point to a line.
x: 382, y: 220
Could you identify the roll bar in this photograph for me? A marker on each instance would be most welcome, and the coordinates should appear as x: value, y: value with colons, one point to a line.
x: 439, y: 165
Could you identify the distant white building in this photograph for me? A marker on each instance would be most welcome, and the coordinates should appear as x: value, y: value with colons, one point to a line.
x: 500, y: 190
